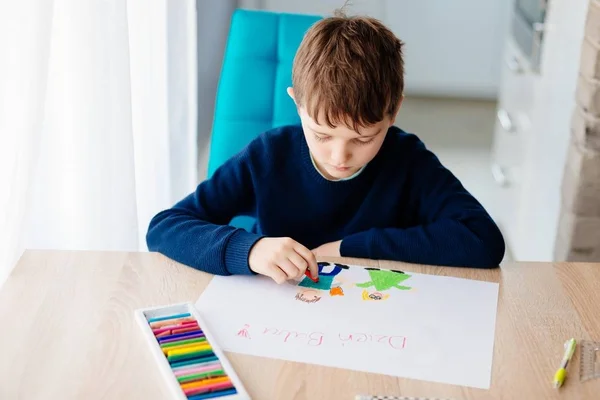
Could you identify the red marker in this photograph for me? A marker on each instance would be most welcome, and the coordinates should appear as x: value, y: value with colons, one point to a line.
x: 315, y: 280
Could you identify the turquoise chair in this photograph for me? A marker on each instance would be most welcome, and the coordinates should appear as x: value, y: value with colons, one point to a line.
x: 256, y: 71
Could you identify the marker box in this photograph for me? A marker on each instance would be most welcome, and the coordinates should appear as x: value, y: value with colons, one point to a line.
x: 196, y: 367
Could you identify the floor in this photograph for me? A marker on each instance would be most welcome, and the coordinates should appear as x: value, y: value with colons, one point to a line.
x: 459, y: 132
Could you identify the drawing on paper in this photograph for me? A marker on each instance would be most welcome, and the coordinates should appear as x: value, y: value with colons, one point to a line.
x: 403, y: 324
x: 385, y: 279
x: 244, y: 332
x: 337, y: 286
x: 327, y: 273
x: 330, y: 279
x: 308, y: 296
x: 376, y: 296
x: 336, y: 290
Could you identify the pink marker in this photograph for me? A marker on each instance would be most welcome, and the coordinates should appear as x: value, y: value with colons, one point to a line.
x: 198, y: 370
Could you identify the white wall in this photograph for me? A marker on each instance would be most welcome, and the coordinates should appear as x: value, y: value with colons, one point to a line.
x: 453, y: 48
x: 373, y: 8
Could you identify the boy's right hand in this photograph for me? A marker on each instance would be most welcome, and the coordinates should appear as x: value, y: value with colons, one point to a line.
x: 282, y: 259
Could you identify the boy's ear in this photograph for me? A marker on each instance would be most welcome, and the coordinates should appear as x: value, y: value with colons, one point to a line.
x: 290, y: 92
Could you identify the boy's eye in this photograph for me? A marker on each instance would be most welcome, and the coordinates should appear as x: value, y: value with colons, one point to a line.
x: 324, y: 138
x: 361, y: 142
x: 321, y: 138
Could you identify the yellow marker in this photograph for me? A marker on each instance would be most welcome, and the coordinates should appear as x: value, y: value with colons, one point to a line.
x: 187, y: 350
x: 185, y: 346
x: 561, y: 374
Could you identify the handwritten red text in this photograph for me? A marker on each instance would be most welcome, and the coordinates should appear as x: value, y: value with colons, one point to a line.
x: 316, y: 339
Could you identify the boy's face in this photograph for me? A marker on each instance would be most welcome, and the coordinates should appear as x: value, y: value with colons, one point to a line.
x: 340, y: 152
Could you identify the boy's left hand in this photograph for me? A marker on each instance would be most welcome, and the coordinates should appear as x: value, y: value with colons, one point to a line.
x: 331, y: 249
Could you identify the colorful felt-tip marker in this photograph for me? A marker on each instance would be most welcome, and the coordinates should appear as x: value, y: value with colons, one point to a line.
x: 195, y: 366
x: 315, y: 280
x: 177, y: 316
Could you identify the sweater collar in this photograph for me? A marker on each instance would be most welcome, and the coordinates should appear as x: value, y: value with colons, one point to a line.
x: 354, y: 175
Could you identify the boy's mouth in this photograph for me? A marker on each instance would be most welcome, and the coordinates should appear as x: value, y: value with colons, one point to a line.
x: 341, y: 169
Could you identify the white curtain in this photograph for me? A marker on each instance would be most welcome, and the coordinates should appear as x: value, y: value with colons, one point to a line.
x: 97, y: 121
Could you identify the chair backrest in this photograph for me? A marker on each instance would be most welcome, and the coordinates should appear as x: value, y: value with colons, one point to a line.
x: 257, y: 69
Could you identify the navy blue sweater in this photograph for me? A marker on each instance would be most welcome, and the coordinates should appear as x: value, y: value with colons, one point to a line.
x: 404, y: 206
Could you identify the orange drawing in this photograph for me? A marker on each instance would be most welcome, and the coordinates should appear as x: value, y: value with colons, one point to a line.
x: 308, y: 296
x: 336, y: 291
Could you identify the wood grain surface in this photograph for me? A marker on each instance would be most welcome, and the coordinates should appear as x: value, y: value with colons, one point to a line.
x: 68, y: 332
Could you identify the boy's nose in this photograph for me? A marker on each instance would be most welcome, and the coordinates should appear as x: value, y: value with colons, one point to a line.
x: 339, y: 155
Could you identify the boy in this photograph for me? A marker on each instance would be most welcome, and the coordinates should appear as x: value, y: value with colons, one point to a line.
x: 345, y: 182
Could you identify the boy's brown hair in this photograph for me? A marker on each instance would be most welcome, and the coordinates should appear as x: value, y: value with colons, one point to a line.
x: 349, y: 70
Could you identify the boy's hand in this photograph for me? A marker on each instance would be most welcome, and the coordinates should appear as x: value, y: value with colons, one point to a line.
x: 281, y: 259
x: 331, y: 249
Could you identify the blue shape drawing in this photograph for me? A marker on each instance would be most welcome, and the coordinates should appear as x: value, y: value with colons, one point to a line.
x: 327, y: 273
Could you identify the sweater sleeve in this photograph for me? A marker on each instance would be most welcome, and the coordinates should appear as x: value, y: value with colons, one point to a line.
x: 453, y: 228
x: 194, y: 231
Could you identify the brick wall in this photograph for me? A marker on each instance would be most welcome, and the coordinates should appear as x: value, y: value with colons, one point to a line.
x: 578, y: 237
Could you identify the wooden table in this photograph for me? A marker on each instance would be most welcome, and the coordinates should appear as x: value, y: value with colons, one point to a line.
x: 68, y: 332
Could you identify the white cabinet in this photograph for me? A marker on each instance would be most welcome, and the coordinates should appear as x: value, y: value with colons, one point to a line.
x: 542, y: 105
x: 512, y: 135
x: 452, y: 48
x: 551, y: 122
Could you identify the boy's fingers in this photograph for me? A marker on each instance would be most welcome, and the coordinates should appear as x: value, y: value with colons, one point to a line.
x: 288, y: 267
x: 277, y: 274
x: 300, y: 263
x: 310, y: 258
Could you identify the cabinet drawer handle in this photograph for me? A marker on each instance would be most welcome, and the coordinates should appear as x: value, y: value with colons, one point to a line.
x: 505, y: 121
x: 514, y: 65
x: 536, y: 46
x: 499, y: 175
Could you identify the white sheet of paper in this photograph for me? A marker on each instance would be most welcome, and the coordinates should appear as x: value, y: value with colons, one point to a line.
x: 441, y: 329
